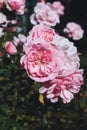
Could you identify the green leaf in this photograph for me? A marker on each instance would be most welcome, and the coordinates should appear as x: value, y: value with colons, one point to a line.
x: 5, y: 108
x: 2, y: 118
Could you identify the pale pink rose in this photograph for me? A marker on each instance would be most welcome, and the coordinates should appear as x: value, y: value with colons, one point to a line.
x: 63, y: 87
x: 16, y: 5
x: 42, y: 60
x: 10, y: 48
x: 44, y: 14
x: 74, y: 30
x: 42, y: 31
x: 70, y: 51
x: 58, y: 7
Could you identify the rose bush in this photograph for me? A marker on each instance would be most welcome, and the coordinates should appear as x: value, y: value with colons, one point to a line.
x: 43, y: 64
x: 45, y: 55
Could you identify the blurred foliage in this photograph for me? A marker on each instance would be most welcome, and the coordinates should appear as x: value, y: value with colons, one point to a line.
x: 21, y: 106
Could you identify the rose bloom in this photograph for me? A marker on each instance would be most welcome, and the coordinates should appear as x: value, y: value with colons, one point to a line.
x: 42, y: 31
x: 68, y: 49
x: 58, y: 7
x: 1, y: 3
x: 42, y: 60
x: 10, y: 48
x: 44, y: 14
x: 74, y: 30
x: 63, y: 87
x: 70, y: 52
x: 16, y: 5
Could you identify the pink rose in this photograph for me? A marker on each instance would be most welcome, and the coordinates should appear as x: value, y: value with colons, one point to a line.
x: 74, y: 31
x: 42, y: 31
x: 70, y: 52
x: 44, y: 14
x: 10, y: 48
x: 58, y: 7
x: 1, y: 3
x: 42, y: 60
x: 16, y: 5
x: 63, y: 87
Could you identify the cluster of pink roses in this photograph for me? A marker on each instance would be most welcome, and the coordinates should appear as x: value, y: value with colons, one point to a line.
x: 49, y: 14
x: 52, y: 60
x: 14, y: 5
x: 47, y: 57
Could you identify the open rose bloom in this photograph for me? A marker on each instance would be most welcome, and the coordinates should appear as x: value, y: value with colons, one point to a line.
x: 42, y: 31
x: 63, y: 86
x: 74, y: 31
x: 47, y: 13
x: 52, y: 60
x: 44, y: 13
